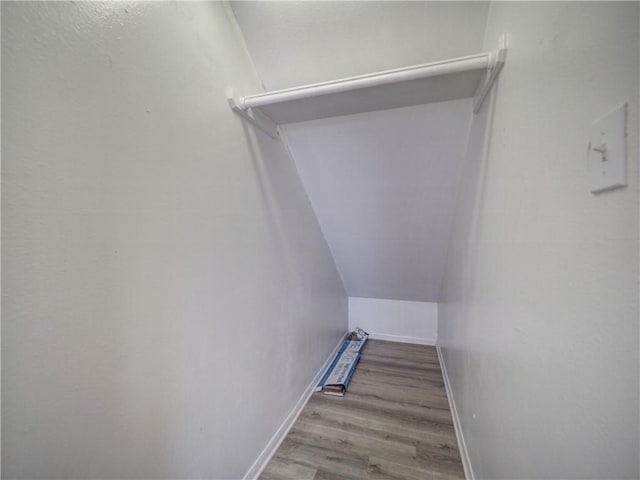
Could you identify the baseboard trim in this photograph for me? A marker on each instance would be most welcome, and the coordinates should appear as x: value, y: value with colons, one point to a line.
x: 401, y: 339
x: 466, y: 461
x: 263, y: 459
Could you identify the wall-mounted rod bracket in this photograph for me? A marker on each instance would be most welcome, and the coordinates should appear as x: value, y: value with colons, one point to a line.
x: 261, y: 122
x: 492, y: 74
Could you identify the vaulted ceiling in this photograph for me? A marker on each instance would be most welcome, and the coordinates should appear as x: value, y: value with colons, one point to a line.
x: 383, y: 184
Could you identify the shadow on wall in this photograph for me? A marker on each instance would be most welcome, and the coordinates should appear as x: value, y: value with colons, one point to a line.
x: 465, y: 234
x: 466, y: 223
x: 294, y: 233
x: 277, y: 194
x: 291, y: 237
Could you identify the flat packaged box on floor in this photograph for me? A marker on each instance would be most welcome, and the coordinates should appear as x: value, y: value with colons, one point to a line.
x: 337, y: 377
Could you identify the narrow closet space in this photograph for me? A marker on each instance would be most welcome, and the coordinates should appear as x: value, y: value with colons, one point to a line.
x: 314, y: 240
x: 380, y: 156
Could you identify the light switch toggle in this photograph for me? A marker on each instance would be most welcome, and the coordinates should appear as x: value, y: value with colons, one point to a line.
x: 602, y: 149
x: 608, y: 151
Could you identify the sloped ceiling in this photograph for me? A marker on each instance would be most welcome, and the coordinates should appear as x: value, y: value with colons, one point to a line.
x: 383, y: 184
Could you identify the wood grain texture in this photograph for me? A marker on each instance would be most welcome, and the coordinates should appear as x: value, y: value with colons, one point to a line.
x: 393, y: 423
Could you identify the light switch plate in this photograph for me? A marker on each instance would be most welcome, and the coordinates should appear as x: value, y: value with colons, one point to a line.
x: 608, y: 151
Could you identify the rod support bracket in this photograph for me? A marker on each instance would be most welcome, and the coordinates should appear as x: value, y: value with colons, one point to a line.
x: 261, y: 122
x: 497, y: 62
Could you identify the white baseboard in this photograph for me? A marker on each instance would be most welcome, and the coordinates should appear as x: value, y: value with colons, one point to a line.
x: 401, y: 339
x: 263, y: 459
x: 466, y: 461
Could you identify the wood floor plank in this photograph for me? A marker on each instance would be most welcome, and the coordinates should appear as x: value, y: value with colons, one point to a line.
x: 417, y: 395
x: 393, y: 423
x: 442, y: 458
x: 384, y: 469
x: 429, y: 416
x: 417, y: 375
x: 429, y: 433
x: 355, y: 440
x: 325, y: 459
x: 278, y: 470
x: 324, y: 473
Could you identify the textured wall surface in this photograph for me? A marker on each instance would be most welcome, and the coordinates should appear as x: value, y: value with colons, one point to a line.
x: 167, y: 292
x: 295, y: 43
x: 539, y: 315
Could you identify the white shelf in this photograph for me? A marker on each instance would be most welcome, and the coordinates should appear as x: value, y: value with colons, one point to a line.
x: 419, y: 84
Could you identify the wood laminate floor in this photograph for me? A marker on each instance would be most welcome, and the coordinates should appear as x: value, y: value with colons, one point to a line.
x: 394, y: 423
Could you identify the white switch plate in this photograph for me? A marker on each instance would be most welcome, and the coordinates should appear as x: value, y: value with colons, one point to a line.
x: 608, y: 151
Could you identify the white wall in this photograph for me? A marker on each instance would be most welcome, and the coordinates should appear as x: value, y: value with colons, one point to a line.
x: 167, y: 292
x: 296, y: 43
x: 539, y: 316
x: 383, y: 186
x: 395, y: 320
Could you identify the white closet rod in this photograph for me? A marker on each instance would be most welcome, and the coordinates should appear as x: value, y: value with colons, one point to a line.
x: 456, y: 65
